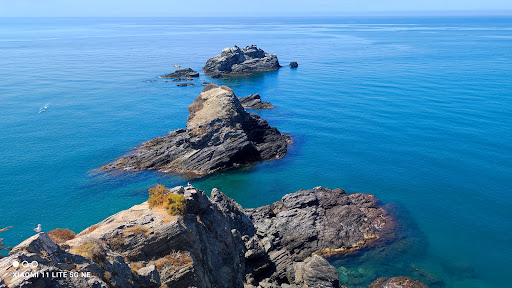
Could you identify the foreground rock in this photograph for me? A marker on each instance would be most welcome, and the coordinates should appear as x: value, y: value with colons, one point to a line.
x: 214, y: 244
x: 254, y: 101
x: 185, y: 73
x: 318, y: 221
x: 240, y: 61
x: 402, y: 282
x: 220, y: 134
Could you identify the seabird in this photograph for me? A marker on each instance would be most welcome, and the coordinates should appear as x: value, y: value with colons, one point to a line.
x: 38, y: 228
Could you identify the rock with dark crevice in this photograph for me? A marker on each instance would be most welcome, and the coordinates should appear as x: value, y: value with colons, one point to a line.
x: 237, y: 61
x: 254, y: 101
x: 220, y: 134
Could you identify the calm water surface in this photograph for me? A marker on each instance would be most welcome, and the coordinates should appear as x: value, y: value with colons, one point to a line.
x: 417, y: 111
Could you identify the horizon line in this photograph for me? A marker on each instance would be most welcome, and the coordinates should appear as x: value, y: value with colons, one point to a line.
x: 303, y: 14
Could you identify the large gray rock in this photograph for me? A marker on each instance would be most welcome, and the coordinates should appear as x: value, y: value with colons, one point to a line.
x: 220, y: 134
x: 254, y: 101
x: 240, y: 61
x: 321, y: 221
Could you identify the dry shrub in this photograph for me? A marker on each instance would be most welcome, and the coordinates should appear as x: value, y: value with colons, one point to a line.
x: 137, y: 231
x: 173, y: 261
x: 61, y: 235
x: 159, y: 197
x: 135, y: 266
x: 91, y: 248
x: 91, y: 229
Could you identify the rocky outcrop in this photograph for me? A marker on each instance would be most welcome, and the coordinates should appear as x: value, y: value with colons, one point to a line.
x: 294, y: 64
x: 397, y: 282
x: 254, y: 101
x: 182, y: 73
x: 319, y: 221
x: 220, y: 134
x: 214, y: 244
x: 240, y: 61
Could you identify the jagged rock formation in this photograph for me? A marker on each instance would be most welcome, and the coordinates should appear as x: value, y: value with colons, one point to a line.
x: 220, y: 134
x: 402, y: 282
x: 188, y: 72
x: 317, y: 221
x: 214, y: 244
x: 240, y: 61
x: 254, y: 101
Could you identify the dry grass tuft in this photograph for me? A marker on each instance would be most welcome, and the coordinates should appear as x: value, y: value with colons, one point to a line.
x: 91, y: 229
x: 173, y: 261
x: 61, y: 235
x: 91, y: 248
x: 159, y: 197
x: 137, y: 230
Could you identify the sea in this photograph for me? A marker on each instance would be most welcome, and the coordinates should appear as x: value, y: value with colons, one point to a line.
x: 414, y: 110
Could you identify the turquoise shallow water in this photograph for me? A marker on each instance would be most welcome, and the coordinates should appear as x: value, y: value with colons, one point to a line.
x: 416, y: 111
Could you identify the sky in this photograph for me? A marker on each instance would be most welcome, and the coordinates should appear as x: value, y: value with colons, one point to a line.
x: 186, y: 8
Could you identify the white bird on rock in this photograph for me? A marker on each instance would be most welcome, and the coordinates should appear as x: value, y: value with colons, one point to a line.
x: 38, y: 228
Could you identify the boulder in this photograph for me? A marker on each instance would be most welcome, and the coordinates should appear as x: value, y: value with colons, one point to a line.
x: 294, y: 64
x: 220, y: 134
x: 188, y: 72
x: 237, y: 61
x: 314, y: 271
x: 253, y: 101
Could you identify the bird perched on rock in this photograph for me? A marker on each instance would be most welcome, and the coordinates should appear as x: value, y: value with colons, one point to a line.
x: 38, y: 228
x: 176, y: 66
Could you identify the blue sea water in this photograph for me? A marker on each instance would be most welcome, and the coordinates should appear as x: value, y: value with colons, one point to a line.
x: 417, y: 111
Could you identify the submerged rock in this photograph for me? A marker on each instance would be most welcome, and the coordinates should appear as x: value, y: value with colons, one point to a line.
x: 188, y: 72
x: 220, y: 134
x: 403, y: 282
x: 240, y: 61
x: 253, y: 101
x: 213, y: 244
x: 294, y: 64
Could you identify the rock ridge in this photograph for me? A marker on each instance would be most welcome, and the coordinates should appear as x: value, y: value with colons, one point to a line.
x: 219, y: 134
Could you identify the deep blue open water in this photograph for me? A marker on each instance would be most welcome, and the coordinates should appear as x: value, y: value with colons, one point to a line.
x: 417, y: 111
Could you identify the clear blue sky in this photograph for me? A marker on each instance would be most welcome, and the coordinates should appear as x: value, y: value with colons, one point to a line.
x: 170, y: 8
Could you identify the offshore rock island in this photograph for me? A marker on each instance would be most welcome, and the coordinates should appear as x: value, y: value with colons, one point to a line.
x: 211, y: 242
x: 237, y: 61
x: 220, y: 134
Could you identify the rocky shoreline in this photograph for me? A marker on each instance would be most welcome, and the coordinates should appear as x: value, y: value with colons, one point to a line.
x: 213, y: 243
x: 181, y: 237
